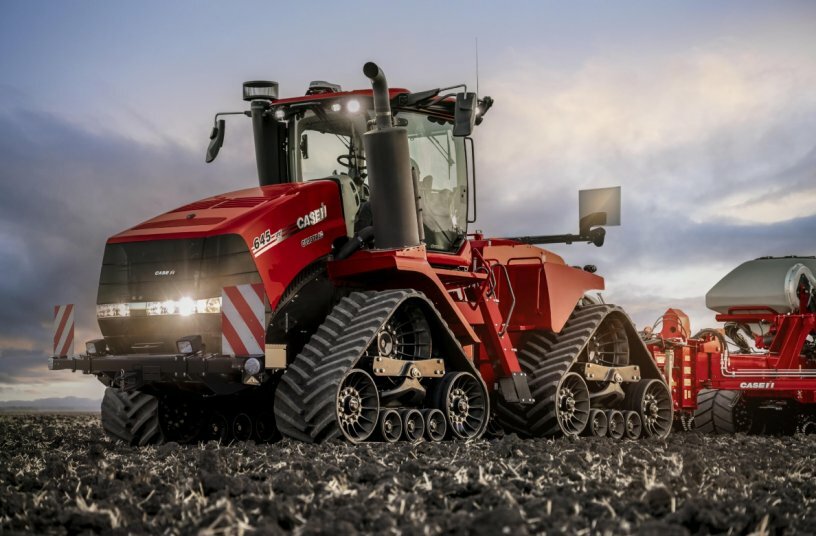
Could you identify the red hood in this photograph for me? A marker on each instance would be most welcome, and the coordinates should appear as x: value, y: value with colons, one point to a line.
x: 220, y: 214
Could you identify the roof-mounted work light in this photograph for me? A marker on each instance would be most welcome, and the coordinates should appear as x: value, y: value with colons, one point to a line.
x: 260, y: 89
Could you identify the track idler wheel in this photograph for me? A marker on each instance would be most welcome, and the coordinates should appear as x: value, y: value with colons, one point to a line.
x: 652, y: 400
x: 634, y: 426
x: 435, y: 425
x: 390, y: 425
x: 463, y: 400
x: 242, y: 427
x: 413, y: 425
x: 598, y: 423
x: 617, y: 423
x: 572, y: 404
x: 358, y: 406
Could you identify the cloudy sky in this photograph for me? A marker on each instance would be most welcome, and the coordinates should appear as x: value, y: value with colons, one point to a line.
x: 704, y: 113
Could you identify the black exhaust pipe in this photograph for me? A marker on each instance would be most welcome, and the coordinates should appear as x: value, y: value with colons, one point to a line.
x: 393, y: 199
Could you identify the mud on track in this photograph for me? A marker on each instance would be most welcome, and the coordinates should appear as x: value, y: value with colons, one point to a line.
x: 60, y: 474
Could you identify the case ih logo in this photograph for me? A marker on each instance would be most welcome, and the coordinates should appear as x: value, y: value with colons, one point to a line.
x: 757, y: 385
x: 313, y: 217
x: 164, y: 272
x: 267, y: 239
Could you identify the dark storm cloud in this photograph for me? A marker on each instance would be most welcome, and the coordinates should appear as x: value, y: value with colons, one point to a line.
x: 19, y: 366
x: 63, y: 191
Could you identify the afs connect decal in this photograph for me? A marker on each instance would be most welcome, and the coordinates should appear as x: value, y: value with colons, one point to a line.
x: 267, y: 240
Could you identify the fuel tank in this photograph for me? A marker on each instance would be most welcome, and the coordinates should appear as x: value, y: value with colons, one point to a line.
x: 162, y: 279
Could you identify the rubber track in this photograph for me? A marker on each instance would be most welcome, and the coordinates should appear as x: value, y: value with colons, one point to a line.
x: 546, y: 357
x: 715, y: 411
x: 131, y: 417
x: 306, y: 396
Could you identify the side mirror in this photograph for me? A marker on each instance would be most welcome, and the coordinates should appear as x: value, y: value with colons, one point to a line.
x: 596, y: 208
x: 464, y: 116
x: 216, y: 140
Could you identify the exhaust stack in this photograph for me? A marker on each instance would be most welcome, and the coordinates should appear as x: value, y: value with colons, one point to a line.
x: 393, y: 199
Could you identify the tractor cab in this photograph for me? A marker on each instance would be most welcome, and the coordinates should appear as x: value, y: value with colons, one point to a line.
x: 320, y: 136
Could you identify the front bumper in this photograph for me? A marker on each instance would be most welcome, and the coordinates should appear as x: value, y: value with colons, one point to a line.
x: 221, y: 374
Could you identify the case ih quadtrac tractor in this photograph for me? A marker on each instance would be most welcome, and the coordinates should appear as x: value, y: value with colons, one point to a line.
x: 344, y: 297
x: 758, y: 372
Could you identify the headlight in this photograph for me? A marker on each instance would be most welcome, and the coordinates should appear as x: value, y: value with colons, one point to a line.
x: 185, y: 306
x: 110, y: 310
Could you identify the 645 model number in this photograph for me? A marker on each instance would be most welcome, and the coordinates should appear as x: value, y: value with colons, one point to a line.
x: 261, y: 240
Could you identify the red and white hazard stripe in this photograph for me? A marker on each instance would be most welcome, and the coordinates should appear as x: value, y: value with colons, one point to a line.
x: 242, y: 320
x: 63, y: 330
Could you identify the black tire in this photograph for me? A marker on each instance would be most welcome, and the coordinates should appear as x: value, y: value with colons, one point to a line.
x: 131, y: 417
x: 721, y: 411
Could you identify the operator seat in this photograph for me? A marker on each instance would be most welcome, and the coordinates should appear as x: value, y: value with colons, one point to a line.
x: 436, y: 214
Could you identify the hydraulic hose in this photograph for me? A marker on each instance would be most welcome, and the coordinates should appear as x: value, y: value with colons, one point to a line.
x: 356, y: 242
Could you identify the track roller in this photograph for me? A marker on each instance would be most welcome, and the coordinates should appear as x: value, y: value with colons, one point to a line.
x: 217, y: 427
x: 463, y: 401
x: 617, y: 423
x: 634, y: 426
x: 413, y: 425
x: 358, y: 405
x: 242, y: 427
x: 598, y: 423
x: 652, y: 400
x: 390, y: 425
x: 435, y: 425
x: 264, y: 427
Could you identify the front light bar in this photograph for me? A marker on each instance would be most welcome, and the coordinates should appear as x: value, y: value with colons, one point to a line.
x: 183, y: 307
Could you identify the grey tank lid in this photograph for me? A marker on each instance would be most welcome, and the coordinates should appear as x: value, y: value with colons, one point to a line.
x: 764, y: 282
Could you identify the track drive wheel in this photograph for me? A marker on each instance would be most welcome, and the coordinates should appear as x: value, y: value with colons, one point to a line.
x: 463, y: 400
x: 131, y: 417
x: 652, y: 400
x: 721, y: 411
x: 358, y: 406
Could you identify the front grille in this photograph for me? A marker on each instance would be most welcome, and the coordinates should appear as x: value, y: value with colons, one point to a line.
x: 162, y: 270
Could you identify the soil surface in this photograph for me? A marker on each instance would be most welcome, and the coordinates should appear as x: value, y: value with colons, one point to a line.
x: 61, y: 474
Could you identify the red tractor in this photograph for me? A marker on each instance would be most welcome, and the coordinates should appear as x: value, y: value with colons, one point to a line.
x: 758, y: 372
x: 344, y: 297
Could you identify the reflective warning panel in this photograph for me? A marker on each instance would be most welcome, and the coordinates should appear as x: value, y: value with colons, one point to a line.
x: 63, y: 330
x: 242, y: 320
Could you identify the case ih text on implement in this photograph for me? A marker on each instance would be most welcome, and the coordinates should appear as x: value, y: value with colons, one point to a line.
x: 758, y: 372
x: 344, y: 297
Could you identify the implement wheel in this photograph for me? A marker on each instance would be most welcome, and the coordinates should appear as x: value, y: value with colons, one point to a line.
x: 721, y: 411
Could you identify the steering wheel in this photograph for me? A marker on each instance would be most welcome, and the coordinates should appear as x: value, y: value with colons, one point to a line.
x: 346, y: 160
